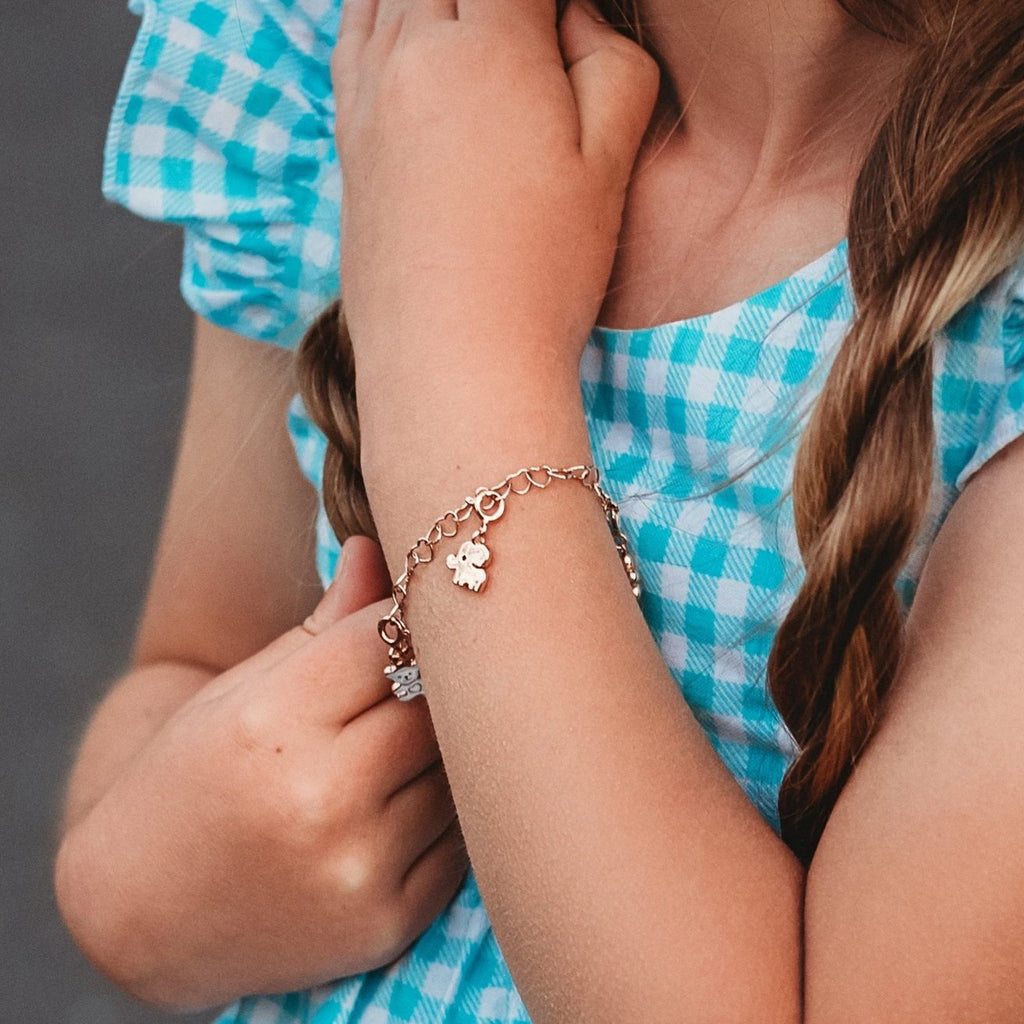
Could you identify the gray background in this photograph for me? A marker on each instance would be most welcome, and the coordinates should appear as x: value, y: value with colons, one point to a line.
x: 94, y: 348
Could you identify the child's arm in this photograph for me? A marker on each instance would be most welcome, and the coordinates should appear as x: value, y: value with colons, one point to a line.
x: 236, y: 523
x: 245, y: 778
x: 628, y: 877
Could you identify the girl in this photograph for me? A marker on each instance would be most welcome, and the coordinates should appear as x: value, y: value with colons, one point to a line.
x: 635, y: 880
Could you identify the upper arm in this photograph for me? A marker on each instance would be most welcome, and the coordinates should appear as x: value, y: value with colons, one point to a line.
x: 915, y: 898
x: 235, y: 561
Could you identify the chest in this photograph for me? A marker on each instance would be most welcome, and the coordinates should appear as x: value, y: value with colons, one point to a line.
x: 693, y: 242
x: 694, y: 424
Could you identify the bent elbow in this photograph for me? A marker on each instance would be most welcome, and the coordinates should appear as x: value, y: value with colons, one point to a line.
x: 114, y: 941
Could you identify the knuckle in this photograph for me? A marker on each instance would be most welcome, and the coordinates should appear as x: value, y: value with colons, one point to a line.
x: 308, y: 809
x: 252, y: 727
x: 434, y: 64
x: 405, y: 79
x: 358, y: 870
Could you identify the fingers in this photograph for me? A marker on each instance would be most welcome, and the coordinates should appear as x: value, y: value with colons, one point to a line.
x: 438, y: 870
x: 396, y: 741
x: 411, y: 15
x: 615, y: 83
x: 385, y: 21
x: 357, y: 19
x: 514, y: 14
x: 362, y: 578
x: 423, y: 809
x: 339, y: 673
x: 390, y: 14
x: 423, y: 11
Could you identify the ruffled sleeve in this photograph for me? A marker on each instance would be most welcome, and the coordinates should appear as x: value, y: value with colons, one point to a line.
x: 224, y: 125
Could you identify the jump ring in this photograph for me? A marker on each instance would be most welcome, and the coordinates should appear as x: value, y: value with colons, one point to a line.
x: 489, y: 505
x: 385, y: 633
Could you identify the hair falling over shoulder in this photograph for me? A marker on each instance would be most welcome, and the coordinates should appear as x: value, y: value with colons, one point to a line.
x: 937, y: 214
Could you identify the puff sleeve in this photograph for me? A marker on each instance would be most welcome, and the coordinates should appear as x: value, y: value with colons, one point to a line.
x: 224, y: 124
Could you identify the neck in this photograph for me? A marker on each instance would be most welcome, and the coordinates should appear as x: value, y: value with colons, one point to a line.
x: 779, y: 89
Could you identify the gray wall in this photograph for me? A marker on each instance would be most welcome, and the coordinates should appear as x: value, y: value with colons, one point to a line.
x: 93, y: 366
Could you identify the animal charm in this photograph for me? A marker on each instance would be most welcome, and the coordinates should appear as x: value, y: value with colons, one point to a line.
x: 468, y: 565
x: 405, y: 682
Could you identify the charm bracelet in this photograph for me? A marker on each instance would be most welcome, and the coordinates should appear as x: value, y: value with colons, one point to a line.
x: 488, y: 504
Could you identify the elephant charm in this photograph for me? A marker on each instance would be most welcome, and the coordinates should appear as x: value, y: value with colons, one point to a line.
x: 468, y: 565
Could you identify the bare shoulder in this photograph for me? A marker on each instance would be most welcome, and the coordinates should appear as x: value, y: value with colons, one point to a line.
x: 915, y: 898
x: 235, y: 565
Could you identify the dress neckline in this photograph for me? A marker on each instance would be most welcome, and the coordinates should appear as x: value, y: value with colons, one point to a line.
x: 816, y: 273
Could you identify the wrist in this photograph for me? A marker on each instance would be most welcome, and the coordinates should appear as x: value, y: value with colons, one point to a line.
x: 433, y: 455
x: 446, y: 416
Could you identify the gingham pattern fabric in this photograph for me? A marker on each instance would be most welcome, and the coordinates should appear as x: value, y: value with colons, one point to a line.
x: 224, y: 125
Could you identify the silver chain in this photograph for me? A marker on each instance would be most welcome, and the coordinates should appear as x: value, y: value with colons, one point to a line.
x: 488, y: 503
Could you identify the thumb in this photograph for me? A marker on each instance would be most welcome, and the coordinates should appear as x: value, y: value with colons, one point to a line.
x: 362, y: 578
x: 615, y: 82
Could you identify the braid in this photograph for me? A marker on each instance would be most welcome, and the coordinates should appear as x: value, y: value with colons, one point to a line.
x: 327, y: 380
x: 937, y: 213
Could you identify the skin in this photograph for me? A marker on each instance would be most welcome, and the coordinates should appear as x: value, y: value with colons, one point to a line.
x: 755, y: 180
x: 595, y: 851
x: 250, y: 772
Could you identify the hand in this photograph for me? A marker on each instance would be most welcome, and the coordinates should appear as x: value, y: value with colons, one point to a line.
x: 485, y: 157
x: 290, y: 824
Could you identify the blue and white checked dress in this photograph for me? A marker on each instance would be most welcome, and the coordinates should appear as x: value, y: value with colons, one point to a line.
x: 224, y: 124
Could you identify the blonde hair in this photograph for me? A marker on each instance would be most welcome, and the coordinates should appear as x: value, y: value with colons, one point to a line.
x: 937, y: 214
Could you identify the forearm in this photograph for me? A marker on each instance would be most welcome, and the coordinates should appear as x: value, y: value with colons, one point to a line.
x: 480, y: 227
x: 603, y: 828
x: 96, y: 874
x: 126, y: 720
